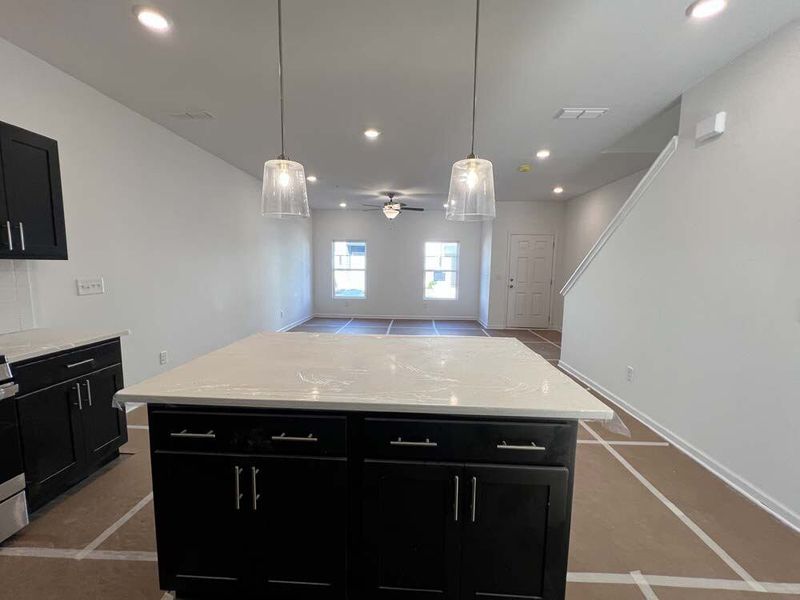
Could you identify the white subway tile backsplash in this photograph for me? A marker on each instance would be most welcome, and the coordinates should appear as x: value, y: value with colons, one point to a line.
x: 16, y: 310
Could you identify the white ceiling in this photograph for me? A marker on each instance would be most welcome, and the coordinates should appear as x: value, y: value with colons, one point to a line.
x: 404, y: 67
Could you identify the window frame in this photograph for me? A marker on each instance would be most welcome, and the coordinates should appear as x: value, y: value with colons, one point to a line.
x: 334, y: 269
x: 457, y: 270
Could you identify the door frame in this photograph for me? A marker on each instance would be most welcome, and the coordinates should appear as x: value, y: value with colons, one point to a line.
x: 508, y: 274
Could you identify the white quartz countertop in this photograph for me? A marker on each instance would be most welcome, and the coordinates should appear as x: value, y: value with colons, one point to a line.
x: 436, y: 375
x: 32, y: 343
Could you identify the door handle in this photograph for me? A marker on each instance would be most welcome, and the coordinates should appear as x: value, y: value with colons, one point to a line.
x: 188, y: 434
x: 237, y: 471
x: 288, y: 438
x: 22, y: 235
x: 532, y: 446
x: 80, y: 399
x: 256, y: 495
x: 10, y: 238
x: 88, y: 392
x: 400, y: 442
x: 455, y: 498
x: 474, y: 497
x: 80, y: 363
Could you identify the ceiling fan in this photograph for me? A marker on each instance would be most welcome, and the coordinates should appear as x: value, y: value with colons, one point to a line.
x: 391, y: 208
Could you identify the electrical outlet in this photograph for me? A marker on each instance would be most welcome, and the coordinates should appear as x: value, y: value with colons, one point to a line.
x: 281, y: 314
x: 88, y: 287
x: 162, y: 357
x: 629, y: 373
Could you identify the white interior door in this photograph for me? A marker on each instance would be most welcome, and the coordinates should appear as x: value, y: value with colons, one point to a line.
x: 530, y: 280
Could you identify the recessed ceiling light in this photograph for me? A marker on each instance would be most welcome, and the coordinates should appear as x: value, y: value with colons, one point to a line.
x: 312, y: 178
x: 152, y: 19
x: 542, y: 154
x: 372, y: 133
x: 342, y: 204
x: 558, y: 189
x: 524, y: 168
x: 702, y: 9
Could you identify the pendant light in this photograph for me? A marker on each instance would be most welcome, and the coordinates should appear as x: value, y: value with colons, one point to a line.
x: 471, y: 196
x: 283, y: 191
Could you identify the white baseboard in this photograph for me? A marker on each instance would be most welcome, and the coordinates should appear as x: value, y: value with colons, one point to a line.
x: 429, y: 317
x: 777, y: 509
x: 296, y: 323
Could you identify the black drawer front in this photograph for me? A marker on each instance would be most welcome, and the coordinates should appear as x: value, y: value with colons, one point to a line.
x: 43, y: 372
x: 474, y: 441
x: 176, y: 430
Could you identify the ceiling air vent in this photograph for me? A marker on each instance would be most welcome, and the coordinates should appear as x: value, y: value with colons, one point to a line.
x: 193, y: 115
x: 581, y: 113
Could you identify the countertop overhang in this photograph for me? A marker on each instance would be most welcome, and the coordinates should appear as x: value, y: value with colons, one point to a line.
x: 407, y: 374
x: 33, y: 343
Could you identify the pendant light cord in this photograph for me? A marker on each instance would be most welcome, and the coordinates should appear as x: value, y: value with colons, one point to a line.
x: 474, y: 74
x: 280, y: 75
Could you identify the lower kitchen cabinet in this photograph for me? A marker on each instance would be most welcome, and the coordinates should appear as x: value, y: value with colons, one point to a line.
x: 271, y: 527
x: 70, y: 428
x: 411, y: 529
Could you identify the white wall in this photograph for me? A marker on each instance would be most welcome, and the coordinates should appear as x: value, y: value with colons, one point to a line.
x: 698, y: 289
x: 189, y: 263
x: 586, y: 217
x: 521, y: 217
x: 486, y: 272
x: 395, y: 271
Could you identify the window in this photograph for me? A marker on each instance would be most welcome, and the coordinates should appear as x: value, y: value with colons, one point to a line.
x: 349, y: 269
x: 441, y: 270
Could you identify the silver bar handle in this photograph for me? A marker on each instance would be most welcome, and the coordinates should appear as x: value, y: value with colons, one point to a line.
x: 474, y: 497
x: 288, y: 438
x: 210, y: 435
x: 80, y: 399
x: 256, y: 495
x: 10, y: 238
x: 532, y: 446
x: 80, y: 363
x: 237, y: 471
x: 22, y: 235
x: 455, y: 498
x: 88, y: 392
x: 400, y: 442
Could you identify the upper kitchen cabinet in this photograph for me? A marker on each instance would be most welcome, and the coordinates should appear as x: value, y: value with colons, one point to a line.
x: 31, y: 206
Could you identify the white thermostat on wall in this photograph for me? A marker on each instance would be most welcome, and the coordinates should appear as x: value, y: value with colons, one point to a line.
x: 710, y: 127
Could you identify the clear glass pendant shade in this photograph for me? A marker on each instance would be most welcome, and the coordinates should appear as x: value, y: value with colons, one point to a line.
x: 283, y: 191
x: 471, y: 196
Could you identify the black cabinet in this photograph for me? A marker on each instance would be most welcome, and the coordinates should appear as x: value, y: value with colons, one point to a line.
x: 31, y: 204
x: 411, y: 529
x: 258, y: 504
x: 70, y: 428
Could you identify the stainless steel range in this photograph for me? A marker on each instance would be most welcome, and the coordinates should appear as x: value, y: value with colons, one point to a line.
x: 13, y: 504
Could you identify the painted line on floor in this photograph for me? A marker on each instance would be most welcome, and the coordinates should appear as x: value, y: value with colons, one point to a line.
x: 138, y: 427
x: 545, y: 339
x: 345, y: 325
x: 92, y: 546
x: 644, y: 587
x: 716, y: 548
x: 388, y: 331
x: 624, y: 443
x: 72, y: 553
x: 670, y: 581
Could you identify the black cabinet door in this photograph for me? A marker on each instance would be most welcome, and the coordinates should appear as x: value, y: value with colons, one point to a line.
x: 33, y: 216
x: 201, y: 515
x: 52, y: 440
x: 411, y: 529
x: 299, y: 533
x: 104, y: 427
x: 514, y: 532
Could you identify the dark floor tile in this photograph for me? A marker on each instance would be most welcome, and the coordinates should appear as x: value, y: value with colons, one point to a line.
x: 429, y: 331
x: 66, y: 579
x: 412, y: 323
x: 370, y: 322
x: 545, y: 350
x: 767, y: 549
x: 317, y: 328
x: 618, y: 526
x: 675, y: 593
x: 521, y: 334
x: 456, y: 324
x: 549, y: 334
x: 329, y: 321
x: 600, y: 591
x: 363, y: 330
x: 462, y: 332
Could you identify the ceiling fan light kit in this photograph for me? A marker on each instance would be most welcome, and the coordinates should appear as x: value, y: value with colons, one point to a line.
x: 283, y: 189
x: 471, y: 195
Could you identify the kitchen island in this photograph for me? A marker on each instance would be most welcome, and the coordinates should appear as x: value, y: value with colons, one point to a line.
x: 321, y: 466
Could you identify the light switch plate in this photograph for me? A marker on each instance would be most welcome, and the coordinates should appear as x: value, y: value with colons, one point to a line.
x: 88, y: 287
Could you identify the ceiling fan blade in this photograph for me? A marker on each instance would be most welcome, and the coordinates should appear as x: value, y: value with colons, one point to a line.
x: 373, y: 205
x: 418, y: 209
x: 370, y: 209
